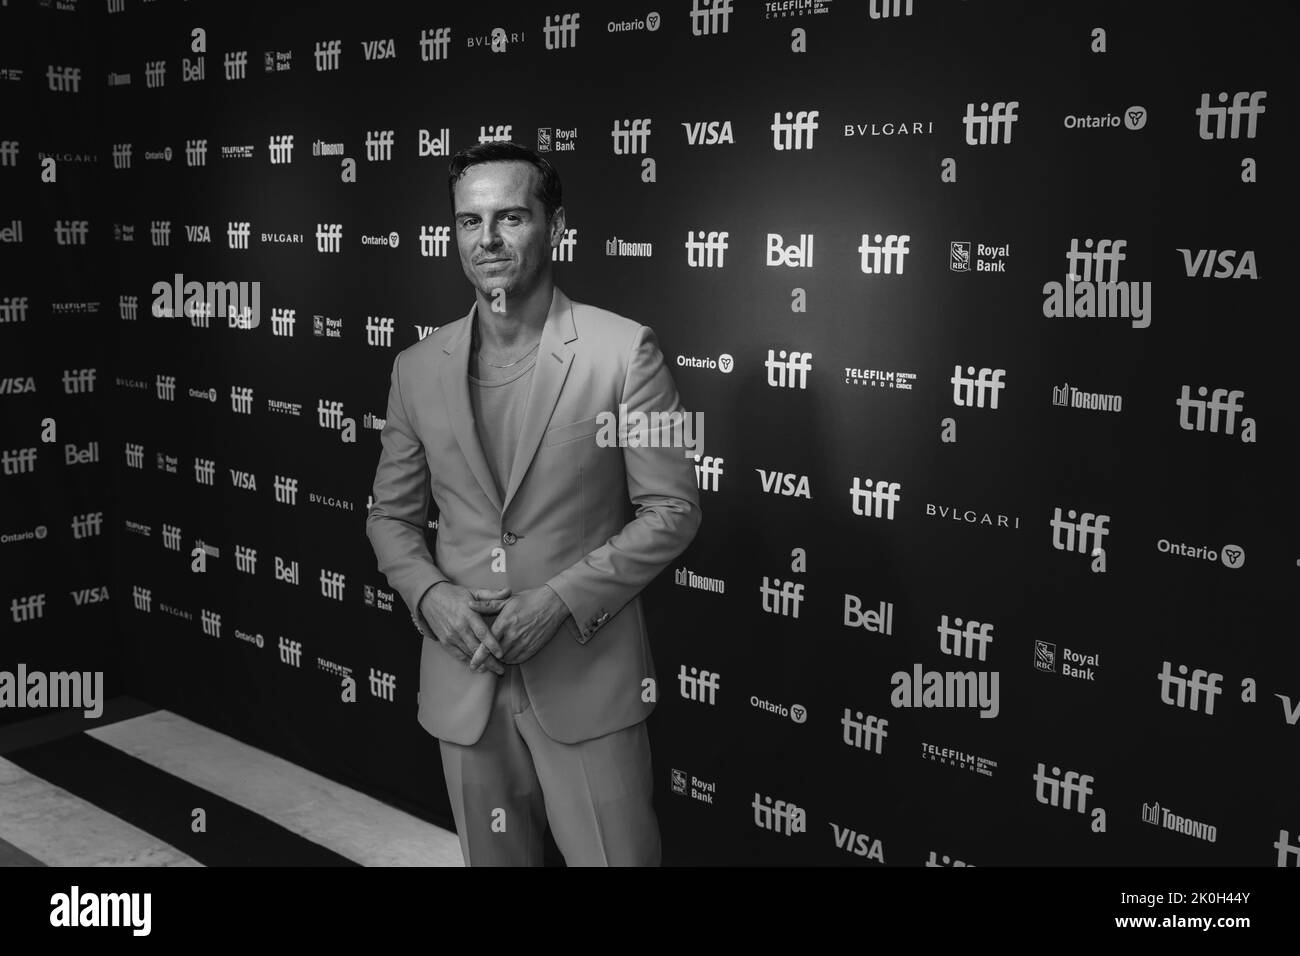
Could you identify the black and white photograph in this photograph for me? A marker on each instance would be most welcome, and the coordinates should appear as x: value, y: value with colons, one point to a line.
x: 828, y: 435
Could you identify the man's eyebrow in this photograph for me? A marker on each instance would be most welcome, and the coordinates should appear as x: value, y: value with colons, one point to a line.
x: 460, y: 213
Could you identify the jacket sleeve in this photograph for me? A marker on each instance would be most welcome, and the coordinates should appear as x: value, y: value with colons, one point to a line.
x: 398, y: 517
x: 661, y: 484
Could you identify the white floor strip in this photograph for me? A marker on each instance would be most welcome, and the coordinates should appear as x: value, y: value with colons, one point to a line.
x: 60, y: 829
x: 350, y: 823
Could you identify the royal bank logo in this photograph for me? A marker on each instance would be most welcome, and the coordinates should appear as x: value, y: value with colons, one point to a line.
x: 554, y: 139
x: 988, y: 258
x: 689, y: 785
x: 277, y: 61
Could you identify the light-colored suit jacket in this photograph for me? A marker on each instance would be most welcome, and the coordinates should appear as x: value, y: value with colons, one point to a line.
x: 566, y: 520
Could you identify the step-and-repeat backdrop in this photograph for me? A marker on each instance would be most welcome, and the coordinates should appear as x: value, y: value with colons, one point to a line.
x: 981, y: 303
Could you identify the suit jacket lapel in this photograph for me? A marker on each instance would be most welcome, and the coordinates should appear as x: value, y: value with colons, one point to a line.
x: 455, y: 392
x: 553, y: 360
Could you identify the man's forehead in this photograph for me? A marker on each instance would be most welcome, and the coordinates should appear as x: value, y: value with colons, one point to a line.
x: 504, y: 180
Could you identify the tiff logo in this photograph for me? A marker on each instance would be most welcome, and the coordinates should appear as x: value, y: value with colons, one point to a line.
x: 63, y: 79
x: 878, y: 10
x: 128, y: 307
x: 121, y: 156
x: 1222, y: 400
x: 379, y: 145
x: 874, y: 502
x: 27, y: 608
x: 631, y: 136
x: 241, y: 399
x: 155, y: 73
x: 205, y: 470
x: 708, y: 470
x: 563, y: 250
x: 886, y: 259
x: 1201, y: 682
x: 866, y: 733
x: 379, y: 331
x: 165, y: 387
x: 88, y: 525
x: 1220, y: 114
x: 1108, y: 251
x: 329, y: 236
x: 211, y: 622
x: 17, y: 461
x: 710, y: 17
x: 71, y: 232
x: 795, y: 131
x: 245, y: 559
x: 970, y: 392
x: 282, y: 321
x: 494, y: 134
x: 699, y: 686
x: 13, y: 308
x: 237, y: 234
x: 9, y: 153
x: 236, y: 63
x: 706, y: 250
x: 434, y: 44
x: 141, y: 598
x: 781, y: 817
x: 290, y: 652
x: 332, y: 584
x: 329, y: 414
x: 953, y: 640
x: 788, y: 371
x: 160, y: 232
x: 779, y: 598
x: 382, y: 685
x: 562, y: 35
x: 990, y: 128
x: 286, y: 490
x: 281, y: 148
x: 134, y: 454
x: 327, y: 54
x: 78, y: 381
x: 1056, y: 792
x: 434, y: 240
x: 196, y: 152
x: 1089, y: 528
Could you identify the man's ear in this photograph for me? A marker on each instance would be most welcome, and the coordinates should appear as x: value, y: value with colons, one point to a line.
x: 557, y: 225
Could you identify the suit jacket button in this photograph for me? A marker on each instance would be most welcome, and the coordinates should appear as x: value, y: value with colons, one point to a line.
x: 509, y: 537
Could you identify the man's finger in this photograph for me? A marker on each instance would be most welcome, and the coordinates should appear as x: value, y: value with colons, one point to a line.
x: 486, y: 637
x: 487, y: 607
x: 489, y: 594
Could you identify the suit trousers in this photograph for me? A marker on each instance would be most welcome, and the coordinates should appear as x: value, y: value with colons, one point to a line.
x: 596, y: 794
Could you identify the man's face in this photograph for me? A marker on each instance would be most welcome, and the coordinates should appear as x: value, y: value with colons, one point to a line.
x: 501, y: 228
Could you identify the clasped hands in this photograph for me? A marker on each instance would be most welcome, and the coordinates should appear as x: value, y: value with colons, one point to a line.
x: 523, y: 623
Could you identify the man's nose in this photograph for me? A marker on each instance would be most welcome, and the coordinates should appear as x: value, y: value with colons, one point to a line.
x: 490, y: 235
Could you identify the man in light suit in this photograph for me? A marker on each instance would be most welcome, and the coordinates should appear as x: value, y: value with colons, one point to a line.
x: 535, y: 673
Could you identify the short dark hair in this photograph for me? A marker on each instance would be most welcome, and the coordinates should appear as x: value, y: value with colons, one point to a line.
x: 547, y: 183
